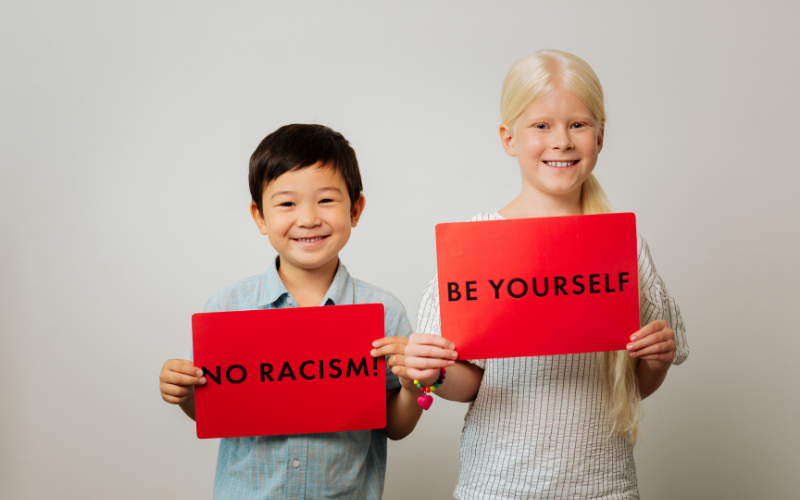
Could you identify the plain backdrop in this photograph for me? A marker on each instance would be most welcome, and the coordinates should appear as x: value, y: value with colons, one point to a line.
x: 126, y: 131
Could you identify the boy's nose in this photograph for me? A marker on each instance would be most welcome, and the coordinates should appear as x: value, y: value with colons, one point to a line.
x: 308, y: 218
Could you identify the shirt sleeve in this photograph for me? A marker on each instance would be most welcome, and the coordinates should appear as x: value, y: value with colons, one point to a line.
x: 429, y: 319
x: 395, y: 324
x: 655, y: 302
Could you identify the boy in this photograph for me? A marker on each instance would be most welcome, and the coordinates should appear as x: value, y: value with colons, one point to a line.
x: 306, y: 192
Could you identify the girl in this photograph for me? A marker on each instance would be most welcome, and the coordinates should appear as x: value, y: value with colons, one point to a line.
x: 553, y: 426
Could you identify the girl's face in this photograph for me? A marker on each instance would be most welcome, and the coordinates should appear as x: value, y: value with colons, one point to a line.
x: 556, y: 142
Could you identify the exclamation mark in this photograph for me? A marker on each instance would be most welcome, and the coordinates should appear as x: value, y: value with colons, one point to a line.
x: 375, y: 367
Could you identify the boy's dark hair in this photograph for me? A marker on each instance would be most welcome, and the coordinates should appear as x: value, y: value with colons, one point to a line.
x: 297, y: 146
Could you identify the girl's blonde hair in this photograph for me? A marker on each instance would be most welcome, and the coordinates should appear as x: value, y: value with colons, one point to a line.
x: 529, y: 80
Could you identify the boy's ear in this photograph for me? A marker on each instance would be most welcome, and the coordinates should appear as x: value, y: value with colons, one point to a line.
x: 600, y: 137
x: 507, y: 138
x: 260, y: 222
x: 357, y: 209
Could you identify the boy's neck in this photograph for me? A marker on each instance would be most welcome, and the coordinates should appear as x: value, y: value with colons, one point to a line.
x: 308, y: 286
x: 534, y: 203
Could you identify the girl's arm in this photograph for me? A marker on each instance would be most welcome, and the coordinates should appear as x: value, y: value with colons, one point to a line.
x: 654, y: 346
x: 402, y: 410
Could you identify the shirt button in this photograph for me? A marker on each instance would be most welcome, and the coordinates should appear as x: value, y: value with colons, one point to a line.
x: 296, y: 463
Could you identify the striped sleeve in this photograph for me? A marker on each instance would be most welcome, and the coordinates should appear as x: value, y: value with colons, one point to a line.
x: 656, y: 303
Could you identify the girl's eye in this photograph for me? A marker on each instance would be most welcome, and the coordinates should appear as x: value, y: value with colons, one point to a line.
x: 578, y: 125
x: 540, y: 126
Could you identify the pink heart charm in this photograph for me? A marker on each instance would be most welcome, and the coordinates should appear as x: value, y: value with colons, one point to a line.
x: 425, y: 401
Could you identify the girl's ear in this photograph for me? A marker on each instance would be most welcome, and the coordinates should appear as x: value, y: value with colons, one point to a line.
x: 600, y: 136
x: 357, y: 209
x: 258, y: 218
x: 507, y: 138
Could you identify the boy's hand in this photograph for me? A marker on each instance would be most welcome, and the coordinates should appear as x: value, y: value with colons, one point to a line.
x: 177, y: 378
x: 394, y: 347
x: 425, y: 354
x: 655, y: 342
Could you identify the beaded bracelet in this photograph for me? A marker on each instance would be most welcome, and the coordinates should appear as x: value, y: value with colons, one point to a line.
x: 425, y: 401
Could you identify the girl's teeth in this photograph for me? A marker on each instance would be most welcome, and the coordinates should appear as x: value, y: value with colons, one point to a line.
x: 560, y: 163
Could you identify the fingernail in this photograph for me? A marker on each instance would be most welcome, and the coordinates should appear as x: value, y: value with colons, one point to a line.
x: 454, y: 355
x: 373, y: 352
x: 375, y: 344
x: 451, y: 363
x: 633, y: 337
x: 452, y: 346
x: 633, y: 353
x: 199, y: 373
x: 629, y: 346
x: 202, y: 381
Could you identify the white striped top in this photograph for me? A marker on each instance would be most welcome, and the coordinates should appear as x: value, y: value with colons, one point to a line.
x: 539, y: 427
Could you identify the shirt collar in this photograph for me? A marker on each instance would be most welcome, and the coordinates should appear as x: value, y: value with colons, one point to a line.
x: 272, y: 287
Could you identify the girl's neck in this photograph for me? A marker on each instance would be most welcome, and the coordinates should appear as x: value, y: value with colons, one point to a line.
x: 308, y: 286
x: 534, y: 203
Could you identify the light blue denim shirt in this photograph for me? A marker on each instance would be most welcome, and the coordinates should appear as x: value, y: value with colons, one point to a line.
x: 342, y: 465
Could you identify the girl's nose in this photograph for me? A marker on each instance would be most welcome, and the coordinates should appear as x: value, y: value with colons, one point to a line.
x: 562, y: 140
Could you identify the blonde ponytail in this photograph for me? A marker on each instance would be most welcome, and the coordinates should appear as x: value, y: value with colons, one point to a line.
x: 530, y: 79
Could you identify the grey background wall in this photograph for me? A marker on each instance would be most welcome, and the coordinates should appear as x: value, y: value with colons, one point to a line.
x: 126, y: 129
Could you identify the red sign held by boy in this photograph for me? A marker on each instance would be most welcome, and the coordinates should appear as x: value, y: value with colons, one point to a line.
x: 541, y: 286
x: 289, y: 371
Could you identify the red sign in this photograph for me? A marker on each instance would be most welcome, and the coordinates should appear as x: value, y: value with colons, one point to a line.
x: 289, y: 371
x: 533, y: 287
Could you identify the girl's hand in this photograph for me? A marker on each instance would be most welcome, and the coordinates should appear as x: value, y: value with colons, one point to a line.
x: 654, y: 342
x: 425, y: 354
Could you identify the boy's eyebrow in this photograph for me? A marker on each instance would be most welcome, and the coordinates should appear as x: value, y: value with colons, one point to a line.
x: 327, y: 188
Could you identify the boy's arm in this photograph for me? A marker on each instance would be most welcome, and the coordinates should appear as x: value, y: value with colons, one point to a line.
x: 402, y: 410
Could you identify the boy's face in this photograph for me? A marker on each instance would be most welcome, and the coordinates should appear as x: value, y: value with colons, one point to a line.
x: 307, y: 216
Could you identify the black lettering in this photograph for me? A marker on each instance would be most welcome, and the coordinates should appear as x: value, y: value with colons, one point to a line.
x: 496, y: 288
x: 302, y: 373
x: 558, y: 284
x: 286, y: 371
x: 334, y: 364
x: 524, y: 288
x: 593, y: 283
x: 228, y: 374
x: 267, y: 372
x: 375, y: 366
x: 211, y: 376
x: 452, y: 290
x: 357, y: 369
x: 621, y: 280
x: 321, y: 372
x: 535, y: 291
x: 470, y: 290
x: 577, y: 283
x: 608, y: 288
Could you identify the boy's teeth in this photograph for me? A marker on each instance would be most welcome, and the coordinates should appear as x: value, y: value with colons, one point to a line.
x: 309, y: 240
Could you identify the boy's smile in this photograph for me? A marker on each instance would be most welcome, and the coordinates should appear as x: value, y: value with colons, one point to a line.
x: 307, y: 216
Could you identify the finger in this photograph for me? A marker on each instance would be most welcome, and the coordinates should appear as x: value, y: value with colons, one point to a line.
x: 427, y: 351
x: 176, y: 378
x: 428, y: 339
x: 660, y: 348
x: 174, y: 390
x: 401, y: 371
x: 421, y: 374
x: 388, y: 350
x: 664, y: 335
x: 183, y: 366
x: 396, y: 360
x: 172, y: 399
x: 427, y: 363
x: 649, y: 329
x: 390, y: 340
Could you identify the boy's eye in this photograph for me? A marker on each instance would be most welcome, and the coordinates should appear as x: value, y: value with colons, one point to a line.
x: 326, y: 200
x: 287, y: 204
